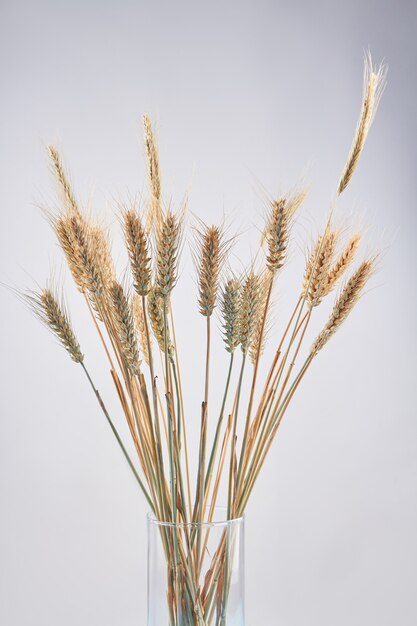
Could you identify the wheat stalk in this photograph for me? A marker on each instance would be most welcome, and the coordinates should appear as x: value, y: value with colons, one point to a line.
x: 139, y: 319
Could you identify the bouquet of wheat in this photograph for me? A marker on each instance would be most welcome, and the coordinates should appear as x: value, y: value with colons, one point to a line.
x: 135, y: 325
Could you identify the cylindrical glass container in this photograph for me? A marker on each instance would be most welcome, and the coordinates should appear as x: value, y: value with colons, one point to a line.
x: 196, y: 572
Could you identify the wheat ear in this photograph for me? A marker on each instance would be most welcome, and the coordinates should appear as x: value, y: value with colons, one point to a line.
x: 347, y: 299
x: 63, y: 183
x: 156, y: 316
x: 138, y: 248
x: 125, y: 328
x: 318, y: 265
x: 260, y: 333
x: 154, y: 180
x: 249, y: 310
x: 374, y: 83
x: 88, y: 255
x: 209, y: 258
x: 277, y: 235
x: 342, y: 263
x: 229, y: 307
x: 53, y: 313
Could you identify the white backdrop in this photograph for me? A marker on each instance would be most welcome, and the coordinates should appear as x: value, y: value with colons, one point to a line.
x: 247, y: 96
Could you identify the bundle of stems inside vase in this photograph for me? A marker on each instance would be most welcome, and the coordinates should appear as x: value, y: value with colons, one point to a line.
x: 135, y: 323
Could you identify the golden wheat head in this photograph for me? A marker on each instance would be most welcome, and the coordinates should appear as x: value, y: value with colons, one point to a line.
x: 374, y: 83
x: 138, y: 249
x: 154, y: 180
x: 347, y: 299
x: 64, y: 186
x: 209, y: 258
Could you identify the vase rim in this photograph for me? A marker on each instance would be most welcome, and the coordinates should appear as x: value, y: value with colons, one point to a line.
x: 206, y: 524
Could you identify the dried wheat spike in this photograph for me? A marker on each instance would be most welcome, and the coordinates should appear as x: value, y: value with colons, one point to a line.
x: 138, y: 249
x: 209, y: 259
x: 156, y: 315
x: 374, y: 83
x: 168, y: 240
x: 277, y: 235
x: 152, y: 157
x: 125, y: 328
x: 318, y: 266
x: 101, y: 250
x: 139, y: 320
x: 347, y: 299
x: 248, y: 310
x: 260, y: 333
x: 88, y: 254
x: 64, y: 185
x: 342, y: 263
x: 229, y: 306
x: 54, y: 315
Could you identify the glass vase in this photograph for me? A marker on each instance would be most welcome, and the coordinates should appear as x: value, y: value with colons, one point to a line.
x: 196, y: 572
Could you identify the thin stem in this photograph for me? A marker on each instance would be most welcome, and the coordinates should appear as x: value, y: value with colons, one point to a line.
x: 118, y: 439
x: 268, y: 422
x: 160, y: 464
x: 212, y: 459
x: 233, y: 440
x: 280, y: 414
x: 184, y: 429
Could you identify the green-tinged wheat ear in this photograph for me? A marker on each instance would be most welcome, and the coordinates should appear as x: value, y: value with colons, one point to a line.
x: 125, y: 328
x: 248, y: 310
x: 139, y: 253
x: 156, y: 315
x: 342, y: 263
x: 168, y: 241
x: 318, y: 265
x: 374, y: 83
x: 347, y: 299
x: 70, y: 202
x: 53, y: 313
x: 138, y: 316
x: 211, y: 252
x: 277, y: 235
x: 229, y: 307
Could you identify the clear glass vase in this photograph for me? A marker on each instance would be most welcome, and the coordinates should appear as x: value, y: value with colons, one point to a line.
x: 196, y: 572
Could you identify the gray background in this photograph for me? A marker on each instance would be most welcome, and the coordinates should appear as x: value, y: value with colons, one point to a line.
x: 248, y: 97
